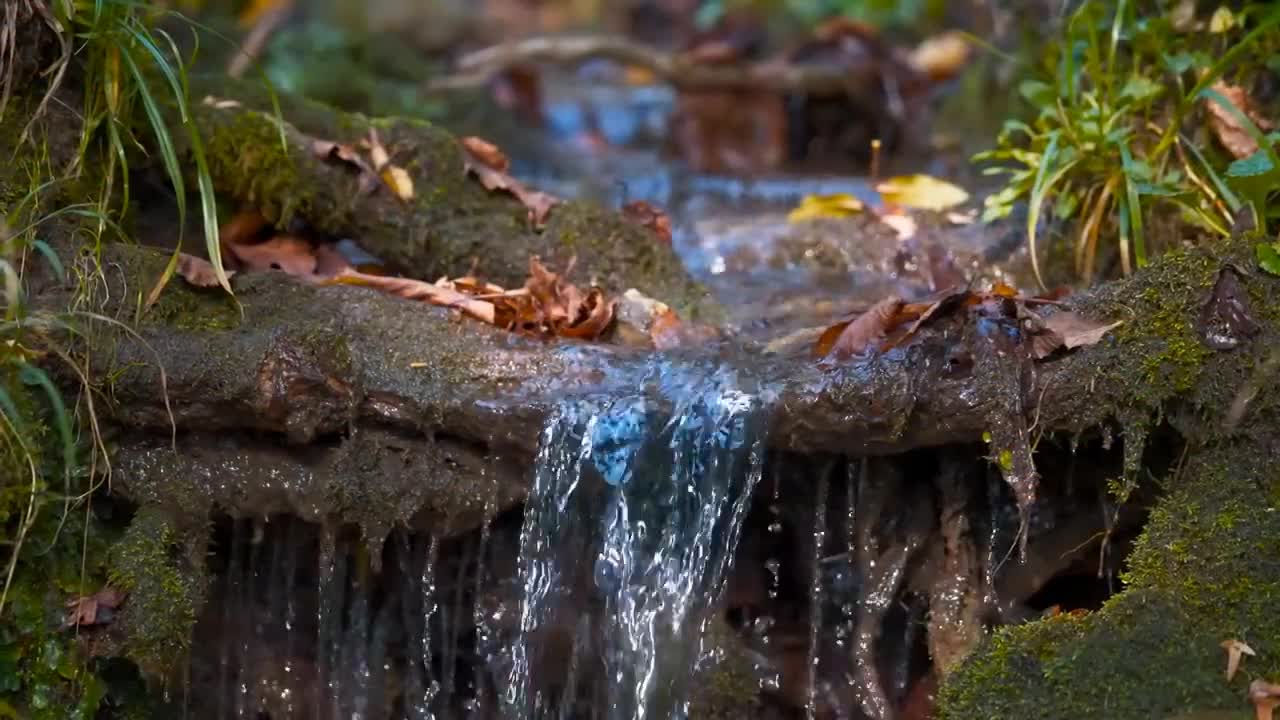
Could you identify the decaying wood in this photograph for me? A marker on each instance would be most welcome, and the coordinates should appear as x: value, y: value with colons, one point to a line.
x: 675, y: 69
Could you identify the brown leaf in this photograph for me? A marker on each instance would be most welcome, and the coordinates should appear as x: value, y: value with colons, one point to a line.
x: 198, y: 271
x: 486, y: 152
x: 1235, y: 649
x: 242, y: 228
x: 538, y: 204
x: 289, y: 253
x: 1066, y: 329
x: 327, y: 150
x: 1226, y: 321
x: 858, y: 335
x: 599, y: 314
x: 1264, y: 696
x: 649, y: 216
x: 411, y: 289
x: 1227, y: 128
x: 950, y: 300
x: 329, y: 261
x: 87, y: 609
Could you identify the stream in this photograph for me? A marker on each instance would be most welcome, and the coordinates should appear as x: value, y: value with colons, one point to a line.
x: 665, y: 565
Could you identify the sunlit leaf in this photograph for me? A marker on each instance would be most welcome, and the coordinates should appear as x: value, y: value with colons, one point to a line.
x: 1235, y: 650
x: 922, y: 192
x: 813, y: 207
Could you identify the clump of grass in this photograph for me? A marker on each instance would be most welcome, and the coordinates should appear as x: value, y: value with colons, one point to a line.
x: 1116, y: 136
x: 52, y: 456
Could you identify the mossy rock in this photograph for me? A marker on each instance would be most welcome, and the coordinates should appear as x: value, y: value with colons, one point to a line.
x: 1207, y: 569
x: 164, y: 576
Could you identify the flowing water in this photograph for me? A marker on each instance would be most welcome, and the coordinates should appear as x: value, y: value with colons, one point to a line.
x: 636, y: 506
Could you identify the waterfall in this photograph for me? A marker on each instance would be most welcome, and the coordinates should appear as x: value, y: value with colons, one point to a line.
x: 632, y: 519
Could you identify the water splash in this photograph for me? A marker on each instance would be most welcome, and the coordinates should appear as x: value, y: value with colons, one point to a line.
x: 632, y: 520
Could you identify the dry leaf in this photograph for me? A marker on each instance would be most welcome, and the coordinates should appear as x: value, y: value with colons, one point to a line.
x: 486, y: 152
x: 1235, y: 138
x: 649, y: 216
x: 941, y: 56
x: 838, y: 205
x: 327, y: 150
x: 1235, y: 649
x: 198, y: 271
x: 242, y: 228
x: 538, y: 204
x: 87, y: 609
x: 411, y: 289
x: 288, y: 253
x: 855, y: 337
x: 330, y: 261
x: 921, y: 192
x: 1065, y: 329
x: 1264, y: 696
x: 399, y: 181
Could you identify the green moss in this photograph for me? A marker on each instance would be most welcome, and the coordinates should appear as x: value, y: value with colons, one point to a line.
x: 165, y: 590
x: 1207, y: 569
x: 730, y: 688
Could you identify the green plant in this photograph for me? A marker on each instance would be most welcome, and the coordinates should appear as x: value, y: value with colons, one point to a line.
x: 1109, y: 145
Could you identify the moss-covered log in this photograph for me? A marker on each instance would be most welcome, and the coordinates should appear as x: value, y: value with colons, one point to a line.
x: 452, y: 224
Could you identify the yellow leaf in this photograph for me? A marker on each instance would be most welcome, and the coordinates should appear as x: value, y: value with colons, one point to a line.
x: 813, y: 207
x: 1223, y: 20
x: 921, y: 192
x: 399, y: 181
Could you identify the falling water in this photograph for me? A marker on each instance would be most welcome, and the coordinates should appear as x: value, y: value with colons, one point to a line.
x: 633, y: 516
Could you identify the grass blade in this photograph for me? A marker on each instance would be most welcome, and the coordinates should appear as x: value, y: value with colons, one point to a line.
x: 32, y: 375
x: 1039, y: 191
x: 1134, y: 204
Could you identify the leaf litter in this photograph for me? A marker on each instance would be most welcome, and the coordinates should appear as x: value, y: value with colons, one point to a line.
x: 884, y: 325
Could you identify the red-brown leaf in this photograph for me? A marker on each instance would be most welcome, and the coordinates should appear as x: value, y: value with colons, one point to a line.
x: 857, y: 336
x: 486, y: 152
x: 1227, y: 128
x: 289, y: 253
x: 647, y: 215
x: 1066, y: 329
x: 411, y: 289
x: 198, y: 271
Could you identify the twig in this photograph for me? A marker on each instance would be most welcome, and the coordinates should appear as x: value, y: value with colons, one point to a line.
x: 256, y: 42
x: 477, y: 67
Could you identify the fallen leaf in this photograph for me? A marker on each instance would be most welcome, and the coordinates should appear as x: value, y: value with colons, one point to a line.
x: 88, y: 609
x: 941, y: 56
x: 411, y: 289
x: 486, y: 152
x: 921, y: 192
x: 838, y: 205
x: 1066, y: 329
x: 198, y: 271
x: 289, y: 253
x: 1264, y: 696
x: 377, y: 151
x: 328, y: 150
x: 537, y: 203
x: 649, y: 216
x: 949, y: 301
x: 599, y: 313
x: 1235, y: 649
x: 843, y: 341
x: 330, y: 261
x: 1225, y: 321
x: 242, y: 228
x: 397, y: 178
x: 1227, y: 127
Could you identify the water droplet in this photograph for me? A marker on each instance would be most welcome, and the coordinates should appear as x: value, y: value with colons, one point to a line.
x: 775, y: 527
